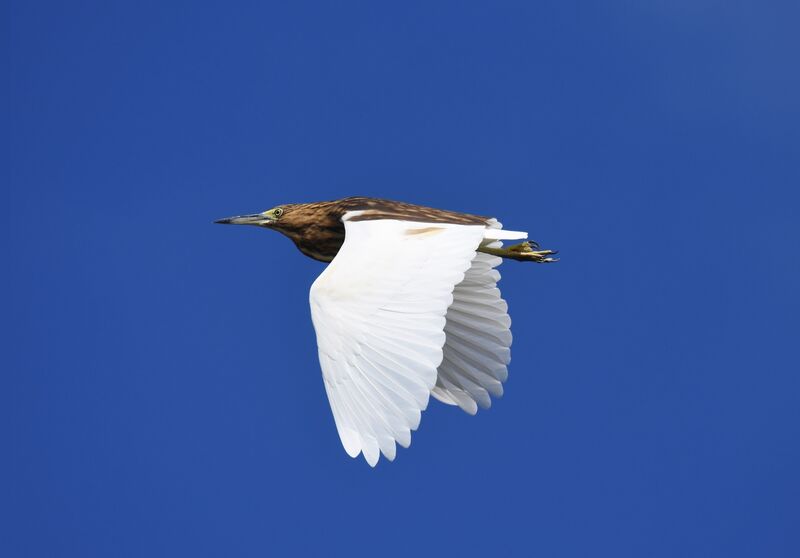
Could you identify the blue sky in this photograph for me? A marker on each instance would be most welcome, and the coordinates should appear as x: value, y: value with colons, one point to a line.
x: 161, y: 391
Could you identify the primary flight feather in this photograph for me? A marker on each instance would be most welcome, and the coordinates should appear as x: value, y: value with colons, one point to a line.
x: 407, y: 308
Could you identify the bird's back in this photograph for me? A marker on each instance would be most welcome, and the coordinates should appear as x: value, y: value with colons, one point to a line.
x: 376, y: 208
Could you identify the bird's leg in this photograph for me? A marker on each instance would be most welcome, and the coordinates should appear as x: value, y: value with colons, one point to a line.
x: 527, y: 251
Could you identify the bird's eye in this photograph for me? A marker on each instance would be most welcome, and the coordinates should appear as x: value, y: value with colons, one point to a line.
x: 277, y: 212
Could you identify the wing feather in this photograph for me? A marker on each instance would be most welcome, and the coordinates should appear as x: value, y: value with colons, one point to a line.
x: 478, y: 336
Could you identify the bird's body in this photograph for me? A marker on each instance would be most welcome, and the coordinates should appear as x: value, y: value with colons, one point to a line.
x: 317, y: 228
x: 407, y: 308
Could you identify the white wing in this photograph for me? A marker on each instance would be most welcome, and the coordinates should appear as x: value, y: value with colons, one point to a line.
x: 478, y: 346
x: 379, y: 313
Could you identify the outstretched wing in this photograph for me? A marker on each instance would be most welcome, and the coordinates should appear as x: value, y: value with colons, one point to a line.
x: 478, y: 347
x: 379, y: 313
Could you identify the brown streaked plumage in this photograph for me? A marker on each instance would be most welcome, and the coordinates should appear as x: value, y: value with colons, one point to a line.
x: 317, y: 228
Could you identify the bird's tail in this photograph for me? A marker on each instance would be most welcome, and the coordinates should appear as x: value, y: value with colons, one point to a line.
x: 500, y: 234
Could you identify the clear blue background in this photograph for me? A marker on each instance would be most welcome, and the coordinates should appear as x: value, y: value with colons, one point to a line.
x: 161, y: 394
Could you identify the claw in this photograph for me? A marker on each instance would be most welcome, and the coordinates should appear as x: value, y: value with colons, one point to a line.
x: 540, y: 256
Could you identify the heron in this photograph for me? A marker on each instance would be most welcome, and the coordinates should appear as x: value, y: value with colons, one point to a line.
x: 407, y: 308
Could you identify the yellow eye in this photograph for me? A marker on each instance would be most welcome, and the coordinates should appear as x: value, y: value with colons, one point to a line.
x: 277, y: 212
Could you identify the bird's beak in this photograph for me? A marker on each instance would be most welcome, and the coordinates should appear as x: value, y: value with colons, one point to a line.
x: 258, y: 219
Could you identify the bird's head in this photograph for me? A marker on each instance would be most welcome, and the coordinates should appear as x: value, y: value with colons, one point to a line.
x: 292, y: 219
x: 315, y: 228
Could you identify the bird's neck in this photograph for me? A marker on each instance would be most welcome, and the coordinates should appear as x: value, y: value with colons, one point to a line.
x: 320, y: 234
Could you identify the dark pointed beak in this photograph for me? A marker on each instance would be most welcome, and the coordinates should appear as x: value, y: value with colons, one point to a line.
x: 258, y: 219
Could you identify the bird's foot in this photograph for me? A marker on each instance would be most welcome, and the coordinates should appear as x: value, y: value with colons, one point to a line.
x: 527, y: 251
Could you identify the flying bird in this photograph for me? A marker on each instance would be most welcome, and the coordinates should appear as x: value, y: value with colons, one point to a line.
x: 408, y: 307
